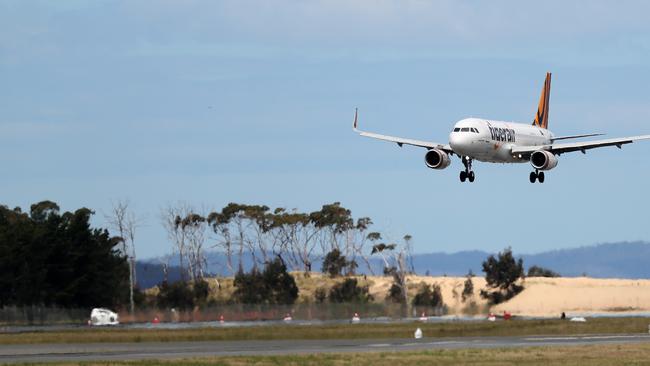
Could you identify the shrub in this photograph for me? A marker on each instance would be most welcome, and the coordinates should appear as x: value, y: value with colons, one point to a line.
x: 175, y: 295
x: 537, y: 271
x: 249, y: 287
x: 320, y: 295
x: 273, y: 286
x: 281, y: 286
x: 468, y: 287
x: 333, y: 263
x: 201, y: 290
x: 395, y: 294
x: 501, y: 275
x: 430, y: 296
x: 349, y: 291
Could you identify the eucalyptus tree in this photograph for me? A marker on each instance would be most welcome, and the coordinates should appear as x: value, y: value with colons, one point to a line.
x: 335, y: 222
x: 408, y: 251
x: 172, y: 216
x: 242, y: 229
x: 297, y: 236
x: 357, y: 240
x: 123, y: 220
x: 260, y: 240
x: 194, y: 226
x: 381, y: 248
x: 394, y: 259
x: 220, y: 226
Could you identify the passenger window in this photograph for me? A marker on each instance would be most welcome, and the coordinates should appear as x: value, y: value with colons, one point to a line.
x: 465, y: 129
x: 456, y: 129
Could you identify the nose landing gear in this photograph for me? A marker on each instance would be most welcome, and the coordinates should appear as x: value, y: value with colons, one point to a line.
x: 537, y: 175
x: 468, y: 173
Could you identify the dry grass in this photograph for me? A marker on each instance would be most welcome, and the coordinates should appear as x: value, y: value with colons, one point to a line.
x: 632, y: 354
x: 347, y: 331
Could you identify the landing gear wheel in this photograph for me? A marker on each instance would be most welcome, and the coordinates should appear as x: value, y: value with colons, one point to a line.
x: 468, y: 173
x: 533, y: 177
x: 540, y: 177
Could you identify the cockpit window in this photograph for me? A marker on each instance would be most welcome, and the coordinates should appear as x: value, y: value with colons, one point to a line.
x: 464, y: 129
x: 474, y: 130
x: 456, y: 129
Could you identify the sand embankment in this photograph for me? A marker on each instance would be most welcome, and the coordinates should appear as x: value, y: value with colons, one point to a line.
x: 580, y: 295
x: 542, y: 297
x: 545, y: 297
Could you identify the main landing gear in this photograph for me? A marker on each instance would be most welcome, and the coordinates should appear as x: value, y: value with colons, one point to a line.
x: 468, y: 173
x: 537, y: 175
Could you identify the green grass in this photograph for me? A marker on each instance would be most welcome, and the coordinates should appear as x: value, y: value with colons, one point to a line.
x: 347, y: 331
x: 631, y: 354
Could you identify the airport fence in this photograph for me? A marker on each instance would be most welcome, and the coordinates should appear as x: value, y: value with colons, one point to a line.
x: 40, y: 315
x: 308, y: 312
x: 34, y: 315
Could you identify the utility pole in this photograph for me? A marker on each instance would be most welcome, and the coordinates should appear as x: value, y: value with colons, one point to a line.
x: 131, y: 269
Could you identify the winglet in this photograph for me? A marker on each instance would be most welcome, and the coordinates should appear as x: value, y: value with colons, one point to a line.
x: 356, y: 120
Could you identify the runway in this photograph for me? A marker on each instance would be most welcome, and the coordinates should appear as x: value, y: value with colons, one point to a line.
x: 173, y: 350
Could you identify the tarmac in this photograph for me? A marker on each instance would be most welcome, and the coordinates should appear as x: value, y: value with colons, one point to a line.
x: 35, y: 353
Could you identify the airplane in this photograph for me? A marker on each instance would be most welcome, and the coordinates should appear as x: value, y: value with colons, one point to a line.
x: 503, y: 142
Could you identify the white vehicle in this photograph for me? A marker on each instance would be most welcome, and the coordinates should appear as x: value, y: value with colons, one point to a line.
x: 99, y: 316
x: 504, y: 142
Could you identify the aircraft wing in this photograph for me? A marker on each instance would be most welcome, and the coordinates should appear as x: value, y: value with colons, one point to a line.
x: 399, y: 140
x: 577, y: 146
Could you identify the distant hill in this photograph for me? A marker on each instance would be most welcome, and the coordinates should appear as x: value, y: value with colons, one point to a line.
x: 616, y: 260
x: 149, y: 274
x: 613, y: 260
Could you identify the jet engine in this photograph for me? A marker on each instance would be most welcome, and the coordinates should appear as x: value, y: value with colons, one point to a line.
x: 543, y: 160
x: 437, y: 159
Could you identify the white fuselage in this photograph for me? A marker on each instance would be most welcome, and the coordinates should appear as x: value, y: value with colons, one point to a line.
x: 492, y: 141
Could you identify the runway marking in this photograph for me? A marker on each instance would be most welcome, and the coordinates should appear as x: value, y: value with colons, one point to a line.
x: 616, y: 336
x: 543, y: 339
x: 576, y: 338
x: 429, y: 343
x: 379, y: 345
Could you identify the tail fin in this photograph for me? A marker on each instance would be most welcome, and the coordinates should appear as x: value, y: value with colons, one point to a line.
x: 541, y: 118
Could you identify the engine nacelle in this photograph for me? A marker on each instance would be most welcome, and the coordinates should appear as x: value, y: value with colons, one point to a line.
x: 437, y: 159
x: 543, y: 160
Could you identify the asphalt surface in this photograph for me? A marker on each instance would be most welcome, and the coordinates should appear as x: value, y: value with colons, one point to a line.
x: 173, y: 350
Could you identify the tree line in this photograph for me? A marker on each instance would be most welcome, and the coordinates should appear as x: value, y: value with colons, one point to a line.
x: 55, y: 259
x: 264, y: 234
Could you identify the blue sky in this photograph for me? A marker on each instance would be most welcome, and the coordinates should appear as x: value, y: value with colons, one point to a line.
x: 210, y: 102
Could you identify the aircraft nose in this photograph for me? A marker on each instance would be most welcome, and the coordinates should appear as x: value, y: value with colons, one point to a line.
x: 455, y: 140
x: 458, y: 142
